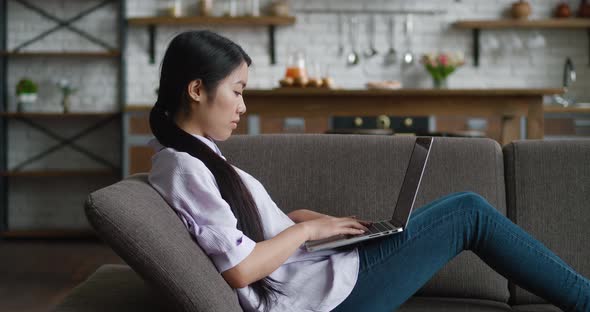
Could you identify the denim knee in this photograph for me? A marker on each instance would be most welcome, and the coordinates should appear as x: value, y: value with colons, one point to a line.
x: 469, y: 201
x: 474, y: 201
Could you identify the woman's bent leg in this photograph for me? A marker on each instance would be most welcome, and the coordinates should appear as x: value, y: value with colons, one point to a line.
x: 393, y: 268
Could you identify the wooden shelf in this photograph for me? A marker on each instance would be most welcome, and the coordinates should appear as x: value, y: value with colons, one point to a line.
x: 53, y: 234
x: 56, y: 115
x: 559, y: 109
x: 270, y: 21
x: 58, y: 173
x: 552, y: 23
x: 212, y: 20
x: 575, y: 23
x: 61, y: 54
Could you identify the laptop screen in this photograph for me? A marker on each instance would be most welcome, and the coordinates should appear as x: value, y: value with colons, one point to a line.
x: 411, y: 183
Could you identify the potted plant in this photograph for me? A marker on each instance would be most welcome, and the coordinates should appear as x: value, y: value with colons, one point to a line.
x: 26, y: 93
x: 441, y: 65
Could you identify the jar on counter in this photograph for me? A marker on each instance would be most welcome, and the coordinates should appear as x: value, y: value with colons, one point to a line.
x: 206, y: 7
x: 296, y: 69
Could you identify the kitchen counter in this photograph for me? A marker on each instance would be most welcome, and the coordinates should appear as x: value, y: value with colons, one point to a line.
x: 401, y: 92
x: 509, y: 104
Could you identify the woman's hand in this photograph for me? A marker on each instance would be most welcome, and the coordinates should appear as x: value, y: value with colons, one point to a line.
x: 329, y: 226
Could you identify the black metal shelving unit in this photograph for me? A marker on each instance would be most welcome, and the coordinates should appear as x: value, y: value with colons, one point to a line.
x: 3, y: 128
x: 100, y: 120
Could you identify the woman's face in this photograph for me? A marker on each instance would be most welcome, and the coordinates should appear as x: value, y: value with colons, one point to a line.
x: 219, y: 115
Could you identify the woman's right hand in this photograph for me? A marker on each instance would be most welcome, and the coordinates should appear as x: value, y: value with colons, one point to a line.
x: 329, y: 226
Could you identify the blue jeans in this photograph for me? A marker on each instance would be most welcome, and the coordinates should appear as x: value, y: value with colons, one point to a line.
x: 394, y: 267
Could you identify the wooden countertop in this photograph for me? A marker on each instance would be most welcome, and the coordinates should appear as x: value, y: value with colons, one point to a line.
x: 401, y: 92
x: 295, y: 92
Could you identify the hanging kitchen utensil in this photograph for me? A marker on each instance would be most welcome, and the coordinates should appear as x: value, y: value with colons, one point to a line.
x: 340, y: 34
x: 408, y: 57
x: 371, y: 51
x: 353, y: 57
x: 391, y: 56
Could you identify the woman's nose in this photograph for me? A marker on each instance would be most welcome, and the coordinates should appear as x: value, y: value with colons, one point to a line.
x: 242, y: 108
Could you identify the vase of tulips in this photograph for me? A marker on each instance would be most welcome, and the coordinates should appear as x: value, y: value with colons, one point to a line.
x: 441, y: 65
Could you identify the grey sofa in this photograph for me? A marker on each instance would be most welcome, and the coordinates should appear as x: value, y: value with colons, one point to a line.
x: 544, y: 186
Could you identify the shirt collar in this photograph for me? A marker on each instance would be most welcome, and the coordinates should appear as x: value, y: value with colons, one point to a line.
x: 157, y: 146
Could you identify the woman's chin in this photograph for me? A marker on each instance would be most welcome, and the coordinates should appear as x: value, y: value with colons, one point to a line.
x: 222, y: 137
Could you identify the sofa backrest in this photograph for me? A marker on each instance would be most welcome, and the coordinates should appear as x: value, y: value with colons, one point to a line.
x: 355, y: 174
x: 548, y: 194
x: 145, y: 232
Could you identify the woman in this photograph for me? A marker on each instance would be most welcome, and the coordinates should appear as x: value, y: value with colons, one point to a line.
x: 259, y: 250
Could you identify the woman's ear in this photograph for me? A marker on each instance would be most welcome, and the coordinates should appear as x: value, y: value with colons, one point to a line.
x: 195, y: 90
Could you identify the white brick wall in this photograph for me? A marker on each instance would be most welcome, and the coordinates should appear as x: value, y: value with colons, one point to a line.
x: 316, y: 33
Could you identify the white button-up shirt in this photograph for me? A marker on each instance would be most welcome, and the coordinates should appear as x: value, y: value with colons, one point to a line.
x: 313, y: 281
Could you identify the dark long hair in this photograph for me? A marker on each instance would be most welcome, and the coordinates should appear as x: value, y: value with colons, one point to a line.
x: 209, y: 57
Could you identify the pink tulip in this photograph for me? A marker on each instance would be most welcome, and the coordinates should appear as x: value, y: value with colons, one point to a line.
x: 443, y: 59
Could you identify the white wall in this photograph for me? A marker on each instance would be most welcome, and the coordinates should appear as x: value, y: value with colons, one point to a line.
x: 45, y: 203
x: 316, y: 33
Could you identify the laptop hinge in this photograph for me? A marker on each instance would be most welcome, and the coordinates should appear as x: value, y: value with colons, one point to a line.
x: 394, y: 223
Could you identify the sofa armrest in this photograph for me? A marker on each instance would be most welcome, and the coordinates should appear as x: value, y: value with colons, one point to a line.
x: 112, y: 288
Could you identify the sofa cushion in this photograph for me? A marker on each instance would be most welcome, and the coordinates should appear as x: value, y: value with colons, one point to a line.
x: 145, y: 232
x: 428, y: 304
x: 355, y: 174
x: 113, y: 288
x: 548, y: 191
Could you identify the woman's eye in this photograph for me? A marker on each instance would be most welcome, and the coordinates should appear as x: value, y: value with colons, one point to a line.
x: 237, y: 93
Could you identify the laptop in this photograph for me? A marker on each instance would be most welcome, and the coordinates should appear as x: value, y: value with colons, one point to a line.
x: 403, y: 207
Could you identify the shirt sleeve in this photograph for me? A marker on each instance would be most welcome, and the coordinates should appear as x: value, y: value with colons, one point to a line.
x: 208, y: 217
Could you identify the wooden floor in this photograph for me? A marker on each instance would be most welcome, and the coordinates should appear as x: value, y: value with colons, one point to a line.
x: 36, y: 274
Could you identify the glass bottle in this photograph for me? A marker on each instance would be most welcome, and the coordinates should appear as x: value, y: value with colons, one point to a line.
x: 176, y: 8
x: 296, y: 65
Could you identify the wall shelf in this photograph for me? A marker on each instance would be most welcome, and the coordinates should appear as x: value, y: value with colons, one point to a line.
x: 49, y: 234
x: 61, y: 53
x: 212, y: 20
x: 60, y: 173
x: 566, y: 110
x: 575, y: 23
x: 270, y: 21
x: 56, y: 115
x: 369, y: 11
x: 552, y: 23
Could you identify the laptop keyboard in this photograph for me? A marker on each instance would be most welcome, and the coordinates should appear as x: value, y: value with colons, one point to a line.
x: 378, y: 227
